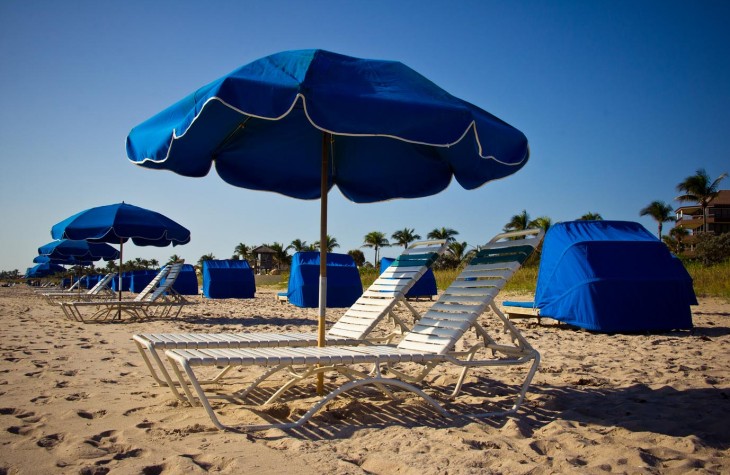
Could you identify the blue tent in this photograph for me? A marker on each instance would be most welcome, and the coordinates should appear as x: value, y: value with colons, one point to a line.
x: 228, y: 279
x: 187, y: 281
x: 612, y: 276
x: 424, y: 287
x: 344, y: 286
x: 139, y: 279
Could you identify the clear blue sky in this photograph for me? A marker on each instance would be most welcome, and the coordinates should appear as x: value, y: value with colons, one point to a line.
x: 620, y: 101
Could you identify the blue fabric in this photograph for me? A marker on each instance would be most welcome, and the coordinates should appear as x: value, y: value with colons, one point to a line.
x: 512, y: 303
x: 126, y: 282
x: 612, y: 276
x: 424, y: 287
x: 79, y: 249
x: 61, y: 261
x: 43, y: 270
x: 187, y: 281
x: 139, y: 279
x: 224, y: 279
x: 386, y: 119
x: 120, y: 222
x: 344, y: 286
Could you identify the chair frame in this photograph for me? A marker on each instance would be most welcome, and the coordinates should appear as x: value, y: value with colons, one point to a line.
x: 377, y: 302
x: 429, y: 344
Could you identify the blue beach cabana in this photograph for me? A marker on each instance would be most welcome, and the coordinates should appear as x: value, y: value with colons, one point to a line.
x: 612, y: 276
x: 424, y: 287
x: 344, y: 286
x: 228, y: 279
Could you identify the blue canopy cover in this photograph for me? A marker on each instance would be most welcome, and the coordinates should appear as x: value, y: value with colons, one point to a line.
x: 612, y: 276
x: 424, y: 287
x: 228, y: 279
x: 343, y: 280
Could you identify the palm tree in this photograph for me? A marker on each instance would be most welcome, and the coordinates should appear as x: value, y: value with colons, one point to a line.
x: 280, y: 255
x: 543, y: 222
x: 376, y: 240
x: 591, y: 216
x: 443, y: 233
x: 331, y: 244
x: 154, y: 263
x: 298, y: 246
x: 357, y: 256
x: 405, y: 236
x: 205, y: 257
x: 660, y: 211
x: 174, y: 258
x: 518, y: 222
x: 458, y: 249
x: 242, y: 251
x: 678, y: 234
x: 698, y: 189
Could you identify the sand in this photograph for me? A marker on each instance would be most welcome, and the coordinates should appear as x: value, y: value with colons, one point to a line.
x: 77, y: 398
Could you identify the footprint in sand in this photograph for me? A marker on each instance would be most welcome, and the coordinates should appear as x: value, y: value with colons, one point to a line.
x: 50, y: 441
x: 77, y: 396
x: 91, y: 415
x: 71, y: 372
x: 33, y: 374
x: 42, y: 399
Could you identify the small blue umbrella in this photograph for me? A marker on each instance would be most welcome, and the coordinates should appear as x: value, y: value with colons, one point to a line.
x: 118, y: 223
x: 43, y: 270
x: 78, y: 249
x: 63, y: 261
x: 301, y: 122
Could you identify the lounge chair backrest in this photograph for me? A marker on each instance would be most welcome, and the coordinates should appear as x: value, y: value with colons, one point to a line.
x: 458, y: 308
x: 147, y: 291
x: 166, y: 286
x: 388, y: 288
x: 102, y: 284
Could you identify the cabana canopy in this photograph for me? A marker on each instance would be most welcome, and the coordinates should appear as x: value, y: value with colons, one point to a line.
x: 228, y: 279
x: 343, y: 280
x: 612, y: 276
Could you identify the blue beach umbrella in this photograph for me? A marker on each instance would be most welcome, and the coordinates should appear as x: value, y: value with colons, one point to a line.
x: 43, y: 270
x: 63, y: 261
x: 79, y: 250
x: 301, y: 122
x: 118, y: 223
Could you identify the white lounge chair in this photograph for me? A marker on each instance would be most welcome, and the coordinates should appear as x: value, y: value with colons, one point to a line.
x: 101, y: 290
x: 430, y: 343
x: 377, y: 302
x: 158, y: 299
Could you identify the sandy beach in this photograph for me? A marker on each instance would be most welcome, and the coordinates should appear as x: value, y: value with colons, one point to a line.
x: 77, y: 398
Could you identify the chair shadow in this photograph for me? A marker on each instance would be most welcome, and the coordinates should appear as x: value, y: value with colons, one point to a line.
x: 677, y: 413
x: 245, y: 322
x: 701, y: 412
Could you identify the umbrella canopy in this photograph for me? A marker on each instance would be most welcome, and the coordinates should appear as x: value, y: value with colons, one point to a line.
x: 118, y: 223
x: 72, y: 261
x: 44, y: 269
x: 78, y: 249
x: 394, y: 133
x: 300, y: 122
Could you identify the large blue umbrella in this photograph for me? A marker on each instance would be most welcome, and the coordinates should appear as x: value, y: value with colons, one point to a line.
x: 118, y: 223
x: 301, y: 122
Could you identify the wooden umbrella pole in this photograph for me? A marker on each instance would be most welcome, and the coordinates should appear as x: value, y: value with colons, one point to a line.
x: 121, y: 249
x: 322, y: 321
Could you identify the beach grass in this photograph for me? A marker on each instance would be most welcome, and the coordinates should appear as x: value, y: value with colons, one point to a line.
x: 709, y: 281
